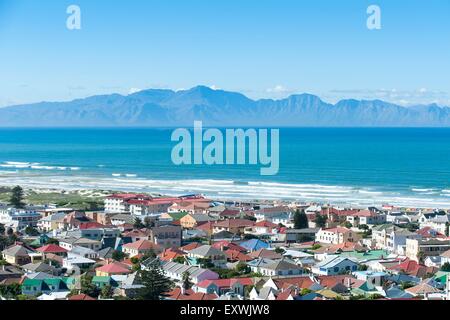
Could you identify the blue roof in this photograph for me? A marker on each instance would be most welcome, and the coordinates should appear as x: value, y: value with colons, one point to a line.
x: 254, y: 245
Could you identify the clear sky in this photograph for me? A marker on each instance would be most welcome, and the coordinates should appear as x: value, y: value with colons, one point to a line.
x: 262, y: 48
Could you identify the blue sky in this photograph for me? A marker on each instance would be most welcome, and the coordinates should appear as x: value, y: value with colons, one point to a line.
x: 262, y: 48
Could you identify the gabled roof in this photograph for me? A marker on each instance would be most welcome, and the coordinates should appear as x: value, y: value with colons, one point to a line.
x: 254, y: 244
x: 17, y: 251
x: 178, y: 294
x: 264, y: 253
x: 234, y: 223
x: 142, y: 245
x: 114, y: 268
x: 235, y: 255
x: 51, y: 248
x: 282, y: 265
x: 206, y: 251
x: 81, y: 297
x: 191, y: 246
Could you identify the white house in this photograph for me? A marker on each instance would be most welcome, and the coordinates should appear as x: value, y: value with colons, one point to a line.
x: 175, y: 272
x: 335, y: 265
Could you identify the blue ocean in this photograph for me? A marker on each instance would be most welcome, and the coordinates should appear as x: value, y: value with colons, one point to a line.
x: 352, y: 166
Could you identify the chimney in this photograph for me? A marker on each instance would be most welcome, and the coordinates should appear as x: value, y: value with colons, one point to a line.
x: 183, y: 290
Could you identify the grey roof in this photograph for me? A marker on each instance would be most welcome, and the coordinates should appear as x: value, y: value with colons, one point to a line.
x: 131, y: 282
x: 39, y: 267
x: 179, y: 269
x: 265, y: 292
x: 261, y: 262
x: 202, y: 217
x: 206, y: 251
x: 106, y: 253
x: 17, y: 251
x: 282, y: 265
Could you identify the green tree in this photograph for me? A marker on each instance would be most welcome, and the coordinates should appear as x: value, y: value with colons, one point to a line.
x: 118, y: 255
x: 107, y: 292
x: 321, y: 220
x: 17, y: 197
x: 31, y: 231
x: 445, y: 267
x: 179, y: 259
x: 87, y: 287
x: 186, y: 281
x: 154, y: 282
x: 363, y: 267
x: 10, y: 291
x: 138, y: 223
x: 300, y: 219
x: 148, y: 223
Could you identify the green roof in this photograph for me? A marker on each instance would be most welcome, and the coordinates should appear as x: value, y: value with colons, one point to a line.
x: 32, y: 282
x: 368, y: 255
x: 177, y: 215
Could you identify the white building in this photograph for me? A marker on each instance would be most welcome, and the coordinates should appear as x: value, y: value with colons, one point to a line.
x: 19, y: 219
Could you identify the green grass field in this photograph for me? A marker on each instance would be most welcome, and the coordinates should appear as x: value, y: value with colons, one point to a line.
x: 61, y: 199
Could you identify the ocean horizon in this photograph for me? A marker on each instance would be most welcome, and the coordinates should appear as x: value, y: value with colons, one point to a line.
x: 349, y: 166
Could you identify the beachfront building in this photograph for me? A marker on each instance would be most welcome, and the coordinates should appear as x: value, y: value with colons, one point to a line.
x: 19, y: 219
x: 391, y: 238
x: 153, y: 207
x: 119, y: 202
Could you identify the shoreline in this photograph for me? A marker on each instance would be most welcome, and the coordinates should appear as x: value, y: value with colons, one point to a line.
x: 98, y: 194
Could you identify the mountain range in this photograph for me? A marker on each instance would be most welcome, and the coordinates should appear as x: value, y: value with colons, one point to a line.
x: 167, y: 108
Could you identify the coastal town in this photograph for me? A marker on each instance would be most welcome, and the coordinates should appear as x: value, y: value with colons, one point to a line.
x: 147, y: 247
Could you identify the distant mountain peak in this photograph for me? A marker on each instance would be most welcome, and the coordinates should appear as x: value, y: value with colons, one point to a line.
x: 165, y: 107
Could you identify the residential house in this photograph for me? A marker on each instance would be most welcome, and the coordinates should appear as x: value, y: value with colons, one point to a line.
x: 282, y: 267
x: 17, y: 255
x: 141, y: 247
x: 224, y: 286
x: 235, y: 226
x: 114, y: 268
x: 192, y: 221
x: 419, y: 249
x: 175, y: 272
x: 335, y: 265
x: 215, y: 256
x: 166, y: 236
x: 336, y: 235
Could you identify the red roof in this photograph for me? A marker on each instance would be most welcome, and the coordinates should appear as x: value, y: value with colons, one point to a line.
x: 142, y: 245
x: 234, y: 223
x: 229, y: 245
x: 90, y: 225
x: 266, y: 224
x: 114, y: 268
x: 170, y: 254
x: 337, y: 230
x: 177, y: 294
x: 235, y: 255
x: 51, y: 248
x: 191, y: 246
